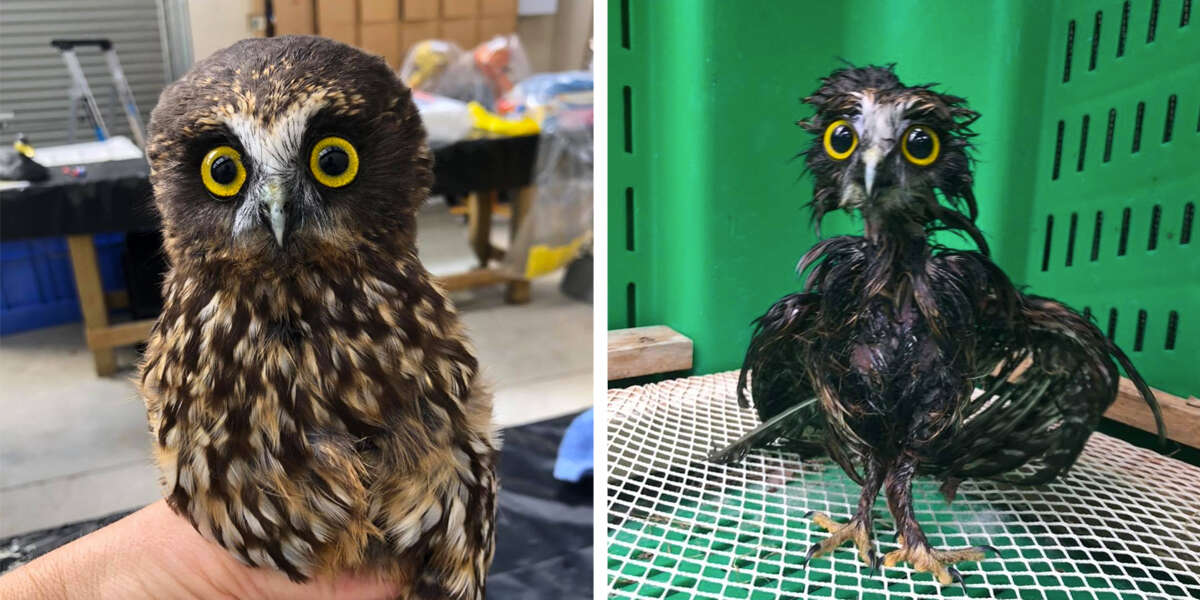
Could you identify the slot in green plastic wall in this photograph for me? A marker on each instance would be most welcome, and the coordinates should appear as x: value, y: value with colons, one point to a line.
x: 1088, y: 173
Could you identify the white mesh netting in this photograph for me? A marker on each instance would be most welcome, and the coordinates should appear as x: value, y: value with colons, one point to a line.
x: 1124, y: 523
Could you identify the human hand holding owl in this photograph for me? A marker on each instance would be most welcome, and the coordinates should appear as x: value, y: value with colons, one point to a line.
x: 154, y: 553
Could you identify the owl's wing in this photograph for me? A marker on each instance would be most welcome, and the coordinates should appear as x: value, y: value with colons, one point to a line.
x: 441, y: 510
x: 774, y: 374
x: 1050, y: 375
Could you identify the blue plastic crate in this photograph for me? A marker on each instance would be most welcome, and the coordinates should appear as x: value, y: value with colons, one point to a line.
x: 37, y: 288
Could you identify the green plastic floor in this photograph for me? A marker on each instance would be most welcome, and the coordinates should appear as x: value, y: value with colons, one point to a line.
x: 1125, y: 523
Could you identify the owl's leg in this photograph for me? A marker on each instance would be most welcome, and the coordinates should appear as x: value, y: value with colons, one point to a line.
x: 914, y: 547
x: 859, y: 528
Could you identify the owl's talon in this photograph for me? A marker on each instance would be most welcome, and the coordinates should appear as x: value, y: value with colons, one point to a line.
x: 939, y: 563
x: 855, y: 530
x: 812, y: 552
x: 727, y: 456
x: 957, y: 577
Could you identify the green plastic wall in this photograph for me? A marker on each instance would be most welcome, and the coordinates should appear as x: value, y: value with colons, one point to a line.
x: 706, y: 199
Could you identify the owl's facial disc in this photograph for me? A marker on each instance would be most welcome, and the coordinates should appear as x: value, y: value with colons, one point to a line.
x: 279, y: 199
x: 871, y: 177
x: 318, y: 160
x: 269, y: 207
x: 898, y: 156
x: 884, y: 151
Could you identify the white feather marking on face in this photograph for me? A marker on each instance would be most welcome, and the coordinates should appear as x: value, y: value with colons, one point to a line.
x: 879, y: 126
x: 274, y: 151
x: 881, y: 121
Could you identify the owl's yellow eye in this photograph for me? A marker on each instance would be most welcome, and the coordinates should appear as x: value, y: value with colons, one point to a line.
x: 921, y: 145
x: 223, y: 172
x: 840, y: 140
x: 334, y: 162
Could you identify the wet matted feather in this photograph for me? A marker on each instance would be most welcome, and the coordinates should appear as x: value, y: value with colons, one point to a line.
x: 876, y: 359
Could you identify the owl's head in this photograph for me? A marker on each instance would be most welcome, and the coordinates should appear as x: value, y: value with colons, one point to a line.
x: 888, y: 150
x: 285, y: 153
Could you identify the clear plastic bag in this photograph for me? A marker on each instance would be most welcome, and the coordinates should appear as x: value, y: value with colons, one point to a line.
x: 446, y: 120
x: 537, y: 95
x: 486, y: 73
x: 503, y: 63
x: 427, y: 62
x: 559, y: 223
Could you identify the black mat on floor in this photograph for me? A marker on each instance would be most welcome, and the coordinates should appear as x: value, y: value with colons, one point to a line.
x: 544, y: 534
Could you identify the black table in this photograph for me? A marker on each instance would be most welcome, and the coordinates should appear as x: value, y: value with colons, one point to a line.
x: 114, y: 196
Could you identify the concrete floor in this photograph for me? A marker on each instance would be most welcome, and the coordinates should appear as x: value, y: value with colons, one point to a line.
x: 74, y: 446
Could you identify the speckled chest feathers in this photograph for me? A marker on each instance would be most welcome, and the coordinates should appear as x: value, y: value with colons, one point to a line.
x: 314, y: 404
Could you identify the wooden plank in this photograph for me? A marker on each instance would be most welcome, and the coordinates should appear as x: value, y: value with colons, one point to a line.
x: 519, y: 290
x: 479, y: 224
x: 473, y: 279
x: 91, y: 297
x: 1181, y: 417
x: 124, y: 334
x: 521, y: 205
x: 647, y: 351
x: 498, y: 210
x: 116, y: 299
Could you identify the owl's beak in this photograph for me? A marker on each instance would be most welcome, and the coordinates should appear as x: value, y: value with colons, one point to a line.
x: 877, y: 176
x: 870, y: 159
x: 274, y: 203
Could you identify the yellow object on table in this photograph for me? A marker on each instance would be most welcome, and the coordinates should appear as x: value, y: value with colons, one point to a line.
x: 547, y: 259
x: 491, y: 122
x: 23, y: 146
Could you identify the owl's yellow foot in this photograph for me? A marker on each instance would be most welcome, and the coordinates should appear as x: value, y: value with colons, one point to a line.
x: 939, y: 563
x: 857, y: 530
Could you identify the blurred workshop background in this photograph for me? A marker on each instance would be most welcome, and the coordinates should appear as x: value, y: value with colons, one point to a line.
x: 505, y: 88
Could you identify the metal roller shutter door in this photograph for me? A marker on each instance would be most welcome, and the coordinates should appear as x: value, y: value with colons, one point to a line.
x: 34, y: 82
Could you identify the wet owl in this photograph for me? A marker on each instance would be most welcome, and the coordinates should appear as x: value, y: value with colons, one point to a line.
x: 901, y: 357
x: 313, y: 402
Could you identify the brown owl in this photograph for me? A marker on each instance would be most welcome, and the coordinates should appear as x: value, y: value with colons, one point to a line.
x: 314, y: 405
